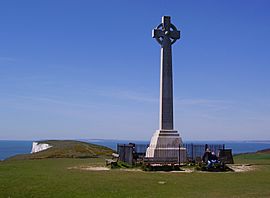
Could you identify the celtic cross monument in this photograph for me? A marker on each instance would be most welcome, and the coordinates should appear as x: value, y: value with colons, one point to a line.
x: 166, y: 142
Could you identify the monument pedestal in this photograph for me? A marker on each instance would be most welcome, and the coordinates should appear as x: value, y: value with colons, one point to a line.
x: 166, y: 144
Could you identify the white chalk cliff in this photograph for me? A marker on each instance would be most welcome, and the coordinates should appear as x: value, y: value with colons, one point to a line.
x: 37, y: 147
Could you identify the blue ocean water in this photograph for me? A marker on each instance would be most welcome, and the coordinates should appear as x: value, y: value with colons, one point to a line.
x: 9, y: 148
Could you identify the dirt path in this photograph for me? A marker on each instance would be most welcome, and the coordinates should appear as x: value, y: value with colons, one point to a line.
x: 241, y: 167
x: 234, y: 167
x: 90, y: 168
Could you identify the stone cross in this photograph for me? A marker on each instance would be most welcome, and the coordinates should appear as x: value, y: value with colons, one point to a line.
x: 166, y: 34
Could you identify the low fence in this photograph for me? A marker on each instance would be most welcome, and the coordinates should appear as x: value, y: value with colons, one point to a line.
x: 126, y: 153
x: 140, y: 149
x: 194, y: 152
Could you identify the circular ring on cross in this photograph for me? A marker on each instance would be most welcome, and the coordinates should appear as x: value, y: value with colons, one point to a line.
x: 167, y: 33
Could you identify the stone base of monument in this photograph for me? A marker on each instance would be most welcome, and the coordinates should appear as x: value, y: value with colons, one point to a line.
x: 165, y: 147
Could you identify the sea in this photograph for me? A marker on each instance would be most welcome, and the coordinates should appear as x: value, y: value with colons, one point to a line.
x: 10, y: 148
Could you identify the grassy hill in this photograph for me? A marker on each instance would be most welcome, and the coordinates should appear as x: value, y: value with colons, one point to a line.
x: 257, y: 158
x: 67, y: 149
x: 265, y: 151
x: 55, y: 177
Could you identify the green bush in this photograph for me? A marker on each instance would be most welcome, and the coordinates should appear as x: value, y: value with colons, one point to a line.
x: 216, y: 167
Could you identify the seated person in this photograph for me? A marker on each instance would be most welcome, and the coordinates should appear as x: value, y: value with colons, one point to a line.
x: 206, y: 155
x: 212, y: 159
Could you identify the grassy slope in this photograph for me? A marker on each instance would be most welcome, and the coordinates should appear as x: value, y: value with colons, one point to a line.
x: 51, y: 178
x: 253, y: 158
x: 67, y: 149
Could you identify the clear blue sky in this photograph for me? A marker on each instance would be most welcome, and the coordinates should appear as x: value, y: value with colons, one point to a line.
x: 90, y: 69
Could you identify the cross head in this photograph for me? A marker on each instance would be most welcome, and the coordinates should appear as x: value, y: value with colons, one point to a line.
x: 166, y: 31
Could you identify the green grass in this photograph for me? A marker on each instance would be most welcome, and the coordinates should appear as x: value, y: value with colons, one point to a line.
x: 52, y: 178
x: 253, y: 158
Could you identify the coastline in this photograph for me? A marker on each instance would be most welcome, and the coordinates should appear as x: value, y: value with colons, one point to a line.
x: 10, y: 148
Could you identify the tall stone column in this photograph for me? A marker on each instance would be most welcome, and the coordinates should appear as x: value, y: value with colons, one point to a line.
x: 166, y: 34
x: 166, y: 86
